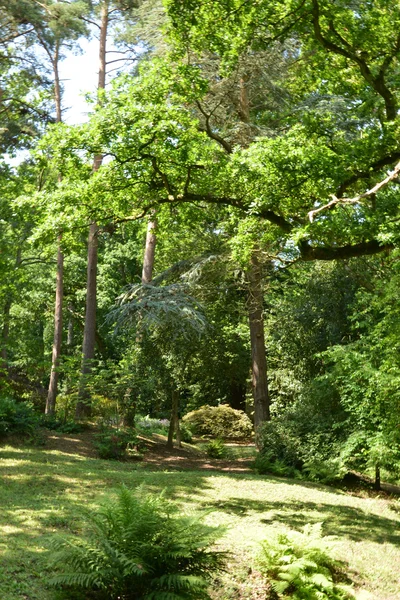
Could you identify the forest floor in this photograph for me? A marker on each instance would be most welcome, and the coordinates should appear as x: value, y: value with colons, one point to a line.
x: 43, y: 491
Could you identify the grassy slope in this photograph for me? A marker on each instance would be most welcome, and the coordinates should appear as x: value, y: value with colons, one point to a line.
x: 42, y: 491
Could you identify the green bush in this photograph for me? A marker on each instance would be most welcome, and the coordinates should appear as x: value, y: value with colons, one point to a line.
x: 147, y: 425
x: 216, y: 449
x: 113, y: 443
x: 219, y: 421
x: 299, y: 567
x: 52, y: 423
x: 266, y: 464
x: 325, y: 470
x: 137, y: 549
x: 17, y: 417
x: 186, y: 433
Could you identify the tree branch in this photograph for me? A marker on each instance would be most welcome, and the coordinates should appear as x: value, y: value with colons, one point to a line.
x: 357, y: 199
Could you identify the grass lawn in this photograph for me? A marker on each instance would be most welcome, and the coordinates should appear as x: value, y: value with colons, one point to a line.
x: 42, y: 492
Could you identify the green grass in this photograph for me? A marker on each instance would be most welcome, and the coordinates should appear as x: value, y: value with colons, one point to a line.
x: 42, y: 492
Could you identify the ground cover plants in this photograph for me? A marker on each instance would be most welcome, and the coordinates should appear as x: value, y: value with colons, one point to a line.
x: 44, y: 492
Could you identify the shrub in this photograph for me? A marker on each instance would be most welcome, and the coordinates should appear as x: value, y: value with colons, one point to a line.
x: 300, y: 568
x: 113, y: 443
x: 265, y: 464
x: 280, y: 442
x: 52, y: 423
x: 17, y: 417
x: 219, y: 421
x: 138, y: 549
x: 325, y: 470
x: 186, y: 433
x: 216, y: 449
x: 148, y: 426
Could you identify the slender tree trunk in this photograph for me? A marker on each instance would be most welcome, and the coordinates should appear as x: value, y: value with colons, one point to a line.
x: 5, y: 333
x: 149, y: 251
x: 174, y: 421
x: 58, y: 320
x: 257, y: 340
x: 52, y: 391
x: 70, y: 335
x: 83, y: 407
x: 377, y: 484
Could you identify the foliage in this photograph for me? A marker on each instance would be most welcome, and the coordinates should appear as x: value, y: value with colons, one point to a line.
x: 216, y: 449
x: 113, y: 443
x: 17, y: 417
x: 185, y: 432
x: 266, y: 464
x: 137, y: 548
x: 54, y: 424
x: 300, y: 568
x: 148, y: 425
x: 219, y: 421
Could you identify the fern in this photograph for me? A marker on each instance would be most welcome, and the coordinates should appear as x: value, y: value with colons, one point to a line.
x: 299, y: 567
x: 138, y: 549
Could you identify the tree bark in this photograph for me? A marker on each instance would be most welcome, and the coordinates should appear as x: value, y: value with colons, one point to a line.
x: 4, y: 337
x: 83, y: 407
x: 52, y: 391
x: 174, y: 422
x: 58, y: 320
x: 149, y: 251
x: 257, y: 340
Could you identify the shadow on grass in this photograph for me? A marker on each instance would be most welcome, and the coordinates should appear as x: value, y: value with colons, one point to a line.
x: 353, y: 523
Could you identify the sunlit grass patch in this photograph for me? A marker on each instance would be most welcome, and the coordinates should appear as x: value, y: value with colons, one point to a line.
x: 44, y: 493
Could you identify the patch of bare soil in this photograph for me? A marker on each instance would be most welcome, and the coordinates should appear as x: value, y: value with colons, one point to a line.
x: 156, y: 454
x: 78, y: 444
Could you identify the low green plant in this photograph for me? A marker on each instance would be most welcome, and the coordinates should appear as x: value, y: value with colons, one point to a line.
x: 113, y: 443
x: 299, y: 567
x: 219, y: 421
x: 186, y: 433
x: 139, y: 549
x: 17, y: 417
x: 53, y: 423
x: 148, y: 425
x: 216, y: 449
x: 265, y: 464
x: 325, y: 470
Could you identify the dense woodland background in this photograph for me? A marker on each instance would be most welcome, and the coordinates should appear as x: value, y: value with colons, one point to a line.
x: 224, y: 229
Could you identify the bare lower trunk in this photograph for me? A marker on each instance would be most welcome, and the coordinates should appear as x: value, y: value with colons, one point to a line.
x: 52, y: 391
x: 149, y: 251
x: 83, y: 407
x: 257, y: 340
x: 4, y: 337
x: 57, y: 340
x: 377, y: 484
x: 174, y: 422
x: 70, y: 335
x: 129, y: 409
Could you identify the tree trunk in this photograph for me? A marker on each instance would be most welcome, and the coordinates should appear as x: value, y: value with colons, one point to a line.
x: 52, y: 391
x: 174, y: 422
x: 237, y: 395
x: 4, y: 337
x: 257, y: 340
x: 70, y: 335
x: 57, y: 340
x: 377, y: 484
x: 83, y: 407
x: 149, y: 251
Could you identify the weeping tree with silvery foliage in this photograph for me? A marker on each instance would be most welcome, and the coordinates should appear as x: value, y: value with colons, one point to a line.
x: 169, y: 319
